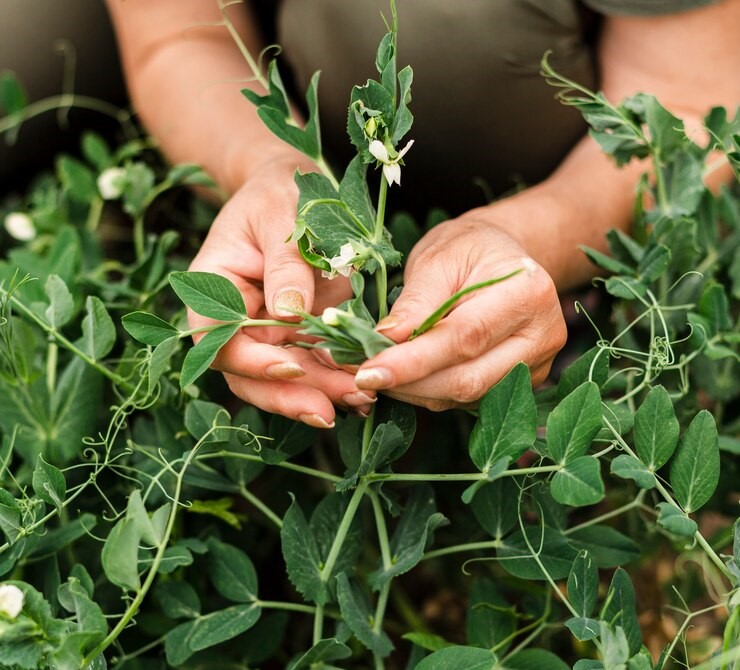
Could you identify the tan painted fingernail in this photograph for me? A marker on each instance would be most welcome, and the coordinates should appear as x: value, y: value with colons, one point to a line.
x: 389, y: 322
x: 362, y: 412
x: 357, y: 399
x: 286, y: 370
x: 373, y: 378
x: 315, y: 421
x: 288, y: 302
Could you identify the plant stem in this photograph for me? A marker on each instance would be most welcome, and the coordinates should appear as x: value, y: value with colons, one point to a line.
x: 463, y: 477
x: 637, y: 502
x: 280, y: 605
x: 343, y: 529
x: 318, y: 624
x: 311, y: 472
x: 249, y: 496
x: 94, y: 213
x: 460, y: 548
x: 385, y: 552
x: 52, y: 354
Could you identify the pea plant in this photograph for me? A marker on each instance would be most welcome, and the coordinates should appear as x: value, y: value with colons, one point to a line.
x: 149, y: 521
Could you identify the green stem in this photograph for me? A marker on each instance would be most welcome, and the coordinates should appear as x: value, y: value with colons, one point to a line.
x: 280, y: 605
x: 245, y: 323
x: 464, y: 477
x: 250, y: 497
x: 343, y: 529
x: 318, y: 624
x: 669, y: 499
x: 385, y: 552
x: 311, y: 472
x: 94, y: 213
x: 380, y: 215
x: 637, y: 502
x: 690, y: 616
x: 367, y: 433
x: 52, y: 355
x: 460, y: 548
x: 381, y: 283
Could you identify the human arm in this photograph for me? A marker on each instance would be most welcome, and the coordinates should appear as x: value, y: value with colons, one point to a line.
x: 185, y: 73
x: 689, y: 61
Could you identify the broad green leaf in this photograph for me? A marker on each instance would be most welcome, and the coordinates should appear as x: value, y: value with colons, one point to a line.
x: 13, y: 97
x: 460, y: 658
x: 159, y: 361
x: 736, y: 544
x: 329, y: 649
x: 78, y: 179
x: 642, y: 661
x: 412, y: 534
x: 676, y: 521
x: 590, y: 366
x: 138, y: 516
x: 137, y: 188
x: 583, y: 584
x: 276, y: 97
x: 620, y: 610
x: 209, y: 295
x: 583, y: 629
x: 550, y: 545
x: 231, y: 571
x: 207, y: 418
x: 624, y: 246
x: 607, y: 262
x: 357, y: 615
x: 98, y: 329
x: 289, y: 438
x: 494, y: 473
x: 199, y: 358
x: 428, y: 641
x: 656, y: 428
x: 654, y: 263
x: 629, y: 467
x: 75, y: 599
x: 404, y: 119
x: 507, y: 420
x: 178, y: 599
x: 534, y: 659
x: 695, y: 467
x: 354, y: 192
x: 177, y: 556
x: 95, y: 150
x: 264, y: 640
x: 61, y: 303
x: 666, y: 130
x: 120, y: 556
x: 48, y: 483
x: 579, y: 482
x: 148, y: 328
x: 615, y: 647
x: 383, y: 444
x: 491, y: 619
x: 574, y: 423
x: 627, y: 288
x: 684, y: 184
x: 53, y: 541
x: 715, y: 308
x: 495, y: 507
x: 588, y: 664
x: 301, y: 554
x: 606, y: 545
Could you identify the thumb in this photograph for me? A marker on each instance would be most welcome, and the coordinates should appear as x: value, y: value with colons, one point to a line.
x: 288, y: 280
x: 425, y: 290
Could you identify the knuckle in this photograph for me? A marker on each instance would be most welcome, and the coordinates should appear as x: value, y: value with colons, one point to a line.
x: 469, y: 387
x: 470, y: 341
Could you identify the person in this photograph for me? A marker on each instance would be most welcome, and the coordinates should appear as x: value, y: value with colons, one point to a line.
x: 481, y: 111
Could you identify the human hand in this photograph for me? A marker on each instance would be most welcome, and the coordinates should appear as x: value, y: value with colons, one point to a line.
x: 247, y: 245
x: 487, y: 332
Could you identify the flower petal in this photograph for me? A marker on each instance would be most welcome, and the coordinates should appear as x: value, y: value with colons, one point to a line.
x: 378, y: 150
x: 392, y: 172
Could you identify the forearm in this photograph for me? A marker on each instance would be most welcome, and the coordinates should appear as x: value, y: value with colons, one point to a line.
x: 185, y: 75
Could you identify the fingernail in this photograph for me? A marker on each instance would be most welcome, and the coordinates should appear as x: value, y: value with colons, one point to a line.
x: 388, y: 322
x: 357, y: 399
x: 362, y: 412
x: 286, y: 370
x: 288, y: 302
x: 315, y: 421
x: 373, y: 378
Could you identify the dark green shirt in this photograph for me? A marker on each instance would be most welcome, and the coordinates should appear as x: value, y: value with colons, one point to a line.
x: 485, y: 120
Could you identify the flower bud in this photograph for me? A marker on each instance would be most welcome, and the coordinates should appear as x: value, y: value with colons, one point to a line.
x: 330, y: 316
x: 20, y: 226
x: 11, y: 600
x: 111, y: 183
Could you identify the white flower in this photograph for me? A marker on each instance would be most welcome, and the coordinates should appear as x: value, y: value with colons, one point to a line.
x: 20, y: 226
x: 391, y: 166
x: 330, y: 316
x: 342, y: 264
x: 11, y: 600
x: 111, y: 183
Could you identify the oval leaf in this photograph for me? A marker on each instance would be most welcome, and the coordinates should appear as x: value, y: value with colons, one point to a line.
x: 209, y: 295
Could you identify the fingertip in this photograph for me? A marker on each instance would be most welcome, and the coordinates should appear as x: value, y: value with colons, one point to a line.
x: 289, y: 302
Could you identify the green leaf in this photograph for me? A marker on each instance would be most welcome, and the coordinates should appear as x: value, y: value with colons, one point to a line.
x: 383, y: 446
x: 412, y: 534
x: 494, y: 507
x: 301, y: 554
x: 583, y: 584
x: 231, y: 572
x: 627, y: 288
x: 606, y: 545
x: 579, y: 482
x: 120, y: 556
x: 607, y: 262
x: 534, y: 659
x: 75, y: 599
x: 354, y: 192
x: 95, y: 150
x: 199, y: 358
x: 656, y: 429
x: 289, y: 438
x: 507, y: 420
x: 13, y: 97
x: 98, y: 329
x: 78, y: 179
x: 329, y: 649
x: 684, y: 184
x: 583, y: 629
x: 325, y: 519
x: 159, y: 361
x: 695, y: 468
x: 676, y: 521
x: 48, y: 483
x: 147, y: 328
x: 137, y: 188
x: 207, y: 418
x: 667, y: 132
x: 427, y: 641
x: 619, y: 610
x: 178, y: 600
x: 404, y: 119
x: 491, y: 619
x: 629, y: 467
x: 53, y: 541
x: 736, y: 543
x: 209, y: 295
x: 61, y: 303
x: 574, y: 423
x: 552, y: 547
x: 460, y: 658
x: 614, y: 645
x: 714, y: 306
x: 137, y: 515
x: 357, y: 615
x: 590, y: 366
x: 654, y: 263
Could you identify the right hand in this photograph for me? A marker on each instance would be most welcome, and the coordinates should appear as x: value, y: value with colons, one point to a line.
x: 247, y: 245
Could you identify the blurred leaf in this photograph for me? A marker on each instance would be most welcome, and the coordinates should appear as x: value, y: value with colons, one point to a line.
x: 231, y: 571
x: 178, y: 600
x: 357, y: 615
x: 491, y: 620
x: 13, y: 97
x: 95, y: 150
x: 78, y: 179
x: 457, y: 658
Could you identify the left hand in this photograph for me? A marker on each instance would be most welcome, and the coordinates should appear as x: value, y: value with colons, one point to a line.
x: 486, y: 333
